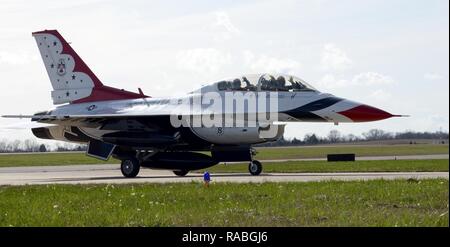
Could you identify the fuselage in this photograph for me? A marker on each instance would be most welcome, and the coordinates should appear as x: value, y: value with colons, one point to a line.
x: 239, y: 124
x: 225, y: 118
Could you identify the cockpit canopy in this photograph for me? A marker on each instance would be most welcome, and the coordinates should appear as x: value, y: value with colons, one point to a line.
x: 265, y: 82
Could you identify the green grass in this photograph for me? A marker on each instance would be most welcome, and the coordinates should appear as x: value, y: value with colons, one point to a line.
x: 357, y: 166
x: 359, y: 150
x: 263, y: 154
x: 331, y: 203
x: 49, y: 159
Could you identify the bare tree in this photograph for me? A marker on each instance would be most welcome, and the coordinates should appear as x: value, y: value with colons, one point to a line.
x: 334, y: 136
x: 14, y: 146
x: 3, y: 146
x: 311, y: 139
x: 30, y: 145
x: 351, y: 138
x: 377, y: 134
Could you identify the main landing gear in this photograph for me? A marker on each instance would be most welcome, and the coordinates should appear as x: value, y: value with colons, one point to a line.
x: 130, y: 167
x: 131, y: 161
x: 181, y: 173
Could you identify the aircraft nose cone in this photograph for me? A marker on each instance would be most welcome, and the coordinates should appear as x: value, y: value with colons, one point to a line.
x: 365, y: 113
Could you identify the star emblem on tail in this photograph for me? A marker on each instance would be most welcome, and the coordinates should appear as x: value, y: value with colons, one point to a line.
x: 61, y: 69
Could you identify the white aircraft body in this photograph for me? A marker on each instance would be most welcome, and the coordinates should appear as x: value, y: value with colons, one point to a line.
x: 224, y: 118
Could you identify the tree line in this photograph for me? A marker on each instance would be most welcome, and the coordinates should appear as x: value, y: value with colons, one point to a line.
x: 334, y: 136
x: 31, y: 145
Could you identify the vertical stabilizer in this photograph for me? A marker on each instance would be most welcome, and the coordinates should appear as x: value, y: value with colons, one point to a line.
x: 71, y: 78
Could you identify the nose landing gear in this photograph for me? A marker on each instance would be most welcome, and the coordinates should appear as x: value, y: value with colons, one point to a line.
x: 255, y: 167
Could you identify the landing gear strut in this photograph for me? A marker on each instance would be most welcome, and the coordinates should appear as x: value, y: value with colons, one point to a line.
x: 130, y: 167
x: 255, y: 167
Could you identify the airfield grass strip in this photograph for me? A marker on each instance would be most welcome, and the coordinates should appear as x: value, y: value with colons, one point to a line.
x: 358, y: 150
x: 329, y: 203
x: 50, y: 159
x: 263, y: 154
x: 356, y: 166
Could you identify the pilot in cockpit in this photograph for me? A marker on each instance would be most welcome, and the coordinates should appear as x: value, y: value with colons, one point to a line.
x: 281, y: 84
x: 291, y: 80
x: 273, y: 85
x: 222, y: 85
x: 236, y: 85
x: 247, y: 83
x: 264, y: 84
x: 229, y: 85
x: 296, y: 85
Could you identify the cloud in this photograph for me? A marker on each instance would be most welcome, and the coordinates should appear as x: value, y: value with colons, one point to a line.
x: 380, y: 95
x: 363, y: 79
x: 432, y: 76
x: 149, y: 45
x: 224, y: 27
x: 372, y: 78
x: 203, y: 60
x: 223, y: 20
x: 330, y: 82
x: 334, y: 58
x: 264, y: 63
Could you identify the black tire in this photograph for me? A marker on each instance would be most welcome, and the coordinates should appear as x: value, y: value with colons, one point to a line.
x: 181, y: 173
x: 130, y: 167
x: 255, y: 168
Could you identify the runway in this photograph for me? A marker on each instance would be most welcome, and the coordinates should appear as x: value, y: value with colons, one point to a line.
x: 100, y: 174
x: 391, y: 157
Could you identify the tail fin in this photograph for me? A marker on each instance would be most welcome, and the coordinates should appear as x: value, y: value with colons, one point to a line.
x: 71, y: 78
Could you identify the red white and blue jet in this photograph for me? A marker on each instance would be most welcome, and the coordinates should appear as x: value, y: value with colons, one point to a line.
x: 144, y: 131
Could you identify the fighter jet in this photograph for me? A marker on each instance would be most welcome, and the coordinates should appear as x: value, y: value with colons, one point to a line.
x: 219, y: 122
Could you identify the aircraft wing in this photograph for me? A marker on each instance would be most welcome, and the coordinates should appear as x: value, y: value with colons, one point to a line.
x: 110, y: 121
x: 105, y: 121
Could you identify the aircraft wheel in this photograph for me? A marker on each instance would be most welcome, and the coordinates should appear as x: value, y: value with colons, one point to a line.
x: 181, y: 173
x: 255, y: 167
x: 130, y: 167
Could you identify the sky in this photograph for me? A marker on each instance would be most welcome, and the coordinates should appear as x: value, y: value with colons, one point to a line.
x: 393, y: 54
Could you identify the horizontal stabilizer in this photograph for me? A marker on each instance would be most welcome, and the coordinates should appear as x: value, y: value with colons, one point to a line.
x: 26, y: 125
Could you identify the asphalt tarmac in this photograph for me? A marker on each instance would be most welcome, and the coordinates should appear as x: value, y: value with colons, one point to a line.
x: 95, y: 174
